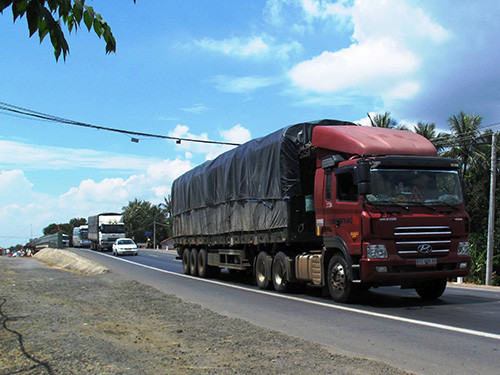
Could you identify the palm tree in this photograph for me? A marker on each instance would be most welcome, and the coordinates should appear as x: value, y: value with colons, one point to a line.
x: 143, y: 216
x: 465, y: 133
x: 167, y: 205
x: 428, y: 130
x: 383, y: 120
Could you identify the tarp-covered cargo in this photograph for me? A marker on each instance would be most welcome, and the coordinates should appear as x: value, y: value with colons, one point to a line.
x: 247, y: 189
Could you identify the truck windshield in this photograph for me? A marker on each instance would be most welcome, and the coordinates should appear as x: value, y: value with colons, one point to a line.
x: 429, y: 187
x: 112, y: 228
x: 84, y: 234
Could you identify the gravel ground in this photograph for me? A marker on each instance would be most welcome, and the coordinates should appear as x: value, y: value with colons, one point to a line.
x: 55, y: 321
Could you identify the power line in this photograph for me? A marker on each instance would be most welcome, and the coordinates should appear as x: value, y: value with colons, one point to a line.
x: 31, y: 114
x: 16, y: 111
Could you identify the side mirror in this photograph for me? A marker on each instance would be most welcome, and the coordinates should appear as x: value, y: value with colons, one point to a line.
x: 364, y: 188
x: 363, y: 171
x: 363, y: 177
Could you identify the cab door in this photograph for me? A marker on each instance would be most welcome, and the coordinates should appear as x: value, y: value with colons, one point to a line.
x: 343, y: 210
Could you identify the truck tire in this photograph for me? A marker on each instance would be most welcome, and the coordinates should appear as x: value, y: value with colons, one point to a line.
x: 185, y: 261
x: 339, y: 279
x: 203, y: 267
x: 279, y: 273
x: 263, y: 270
x: 193, y: 262
x: 431, y: 289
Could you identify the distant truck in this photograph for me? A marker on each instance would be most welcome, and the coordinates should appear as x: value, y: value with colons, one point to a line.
x: 56, y: 241
x: 81, y: 236
x: 328, y: 203
x: 104, y: 230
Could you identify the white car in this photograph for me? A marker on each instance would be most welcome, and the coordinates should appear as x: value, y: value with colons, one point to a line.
x: 123, y: 246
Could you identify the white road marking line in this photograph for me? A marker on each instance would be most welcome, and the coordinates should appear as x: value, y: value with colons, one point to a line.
x: 323, y: 304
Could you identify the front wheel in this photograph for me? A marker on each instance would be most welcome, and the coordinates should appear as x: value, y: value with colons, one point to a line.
x: 431, y: 289
x: 339, y: 278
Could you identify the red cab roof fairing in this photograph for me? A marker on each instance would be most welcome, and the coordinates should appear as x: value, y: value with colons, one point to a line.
x: 365, y: 140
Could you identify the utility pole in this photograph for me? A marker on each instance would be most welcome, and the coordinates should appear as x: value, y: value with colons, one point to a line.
x: 491, y: 216
x: 154, y: 235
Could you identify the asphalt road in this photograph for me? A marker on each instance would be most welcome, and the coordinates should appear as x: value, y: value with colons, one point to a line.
x: 458, y: 334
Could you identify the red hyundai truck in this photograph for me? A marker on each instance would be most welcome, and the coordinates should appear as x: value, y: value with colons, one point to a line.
x: 329, y: 203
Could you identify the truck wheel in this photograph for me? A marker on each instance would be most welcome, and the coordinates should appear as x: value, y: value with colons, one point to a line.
x: 263, y: 271
x: 279, y: 273
x: 193, y: 262
x: 185, y: 261
x: 431, y: 289
x: 203, y: 267
x: 339, y: 278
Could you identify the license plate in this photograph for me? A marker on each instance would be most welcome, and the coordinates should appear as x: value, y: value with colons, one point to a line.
x: 426, y: 262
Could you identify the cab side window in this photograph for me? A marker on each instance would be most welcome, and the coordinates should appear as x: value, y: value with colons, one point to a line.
x: 347, y: 190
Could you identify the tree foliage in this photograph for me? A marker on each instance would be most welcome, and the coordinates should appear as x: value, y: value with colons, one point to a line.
x: 66, y: 228
x: 46, y: 17
x: 167, y: 205
x: 466, y: 140
x: 383, y: 120
x: 428, y: 130
x: 472, y: 148
x: 78, y: 221
x: 142, y: 216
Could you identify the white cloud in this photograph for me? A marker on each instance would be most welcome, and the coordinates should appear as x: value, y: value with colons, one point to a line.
x: 24, y: 211
x: 237, y: 134
x: 361, y: 65
x: 236, y: 46
x: 405, y: 90
x: 395, y: 19
x: 242, y: 84
x: 389, y: 41
x: 14, y: 187
x: 196, y: 108
x: 262, y: 46
x: 324, y: 9
x: 21, y: 209
x: 166, y: 171
x: 29, y: 156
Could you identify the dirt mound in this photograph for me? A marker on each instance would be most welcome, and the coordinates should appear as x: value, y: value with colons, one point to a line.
x: 69, y: 261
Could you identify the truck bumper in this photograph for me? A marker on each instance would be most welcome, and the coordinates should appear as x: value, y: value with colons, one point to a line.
x: 395, y: 271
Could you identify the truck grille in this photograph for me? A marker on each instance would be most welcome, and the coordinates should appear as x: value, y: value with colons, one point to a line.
x: 423, y: 241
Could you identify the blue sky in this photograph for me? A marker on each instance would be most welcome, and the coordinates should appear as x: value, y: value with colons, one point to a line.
x: 226, y: 71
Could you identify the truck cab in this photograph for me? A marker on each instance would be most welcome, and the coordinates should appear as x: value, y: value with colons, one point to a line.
x: 390, y: 220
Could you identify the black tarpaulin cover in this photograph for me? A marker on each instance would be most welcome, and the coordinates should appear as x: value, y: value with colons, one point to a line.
x: 246, y: 189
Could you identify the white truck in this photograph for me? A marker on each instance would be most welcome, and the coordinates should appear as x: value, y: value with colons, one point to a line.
x: 104, y: 230
x: 81, y: 236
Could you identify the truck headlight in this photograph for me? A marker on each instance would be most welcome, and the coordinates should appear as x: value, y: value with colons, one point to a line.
x: 463, y: 248
x: 376, y: 252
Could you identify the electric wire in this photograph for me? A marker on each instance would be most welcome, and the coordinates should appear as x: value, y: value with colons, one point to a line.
x: 447, y: 140
x: 29, y: 113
